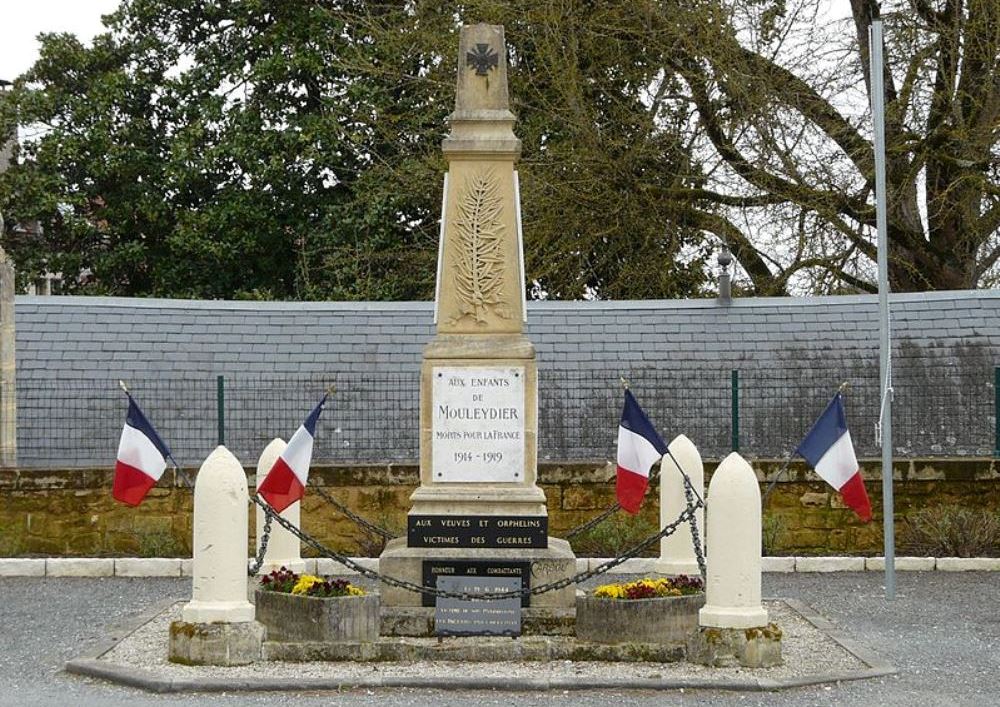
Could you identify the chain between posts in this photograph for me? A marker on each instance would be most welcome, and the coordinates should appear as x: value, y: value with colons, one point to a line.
x: 366, y: 525
x: 370, y: 527
x: 270, y: 514
x: 265, y: 535
x: 687, y: 515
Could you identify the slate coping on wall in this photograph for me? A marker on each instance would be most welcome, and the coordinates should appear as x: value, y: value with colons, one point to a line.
x: 174, y: 567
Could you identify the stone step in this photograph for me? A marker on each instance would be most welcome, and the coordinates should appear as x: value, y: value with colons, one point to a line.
x: 474, y: 649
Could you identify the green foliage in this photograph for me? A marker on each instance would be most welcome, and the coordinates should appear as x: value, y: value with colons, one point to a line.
x: 951, y: 531
x: 615, y: 535
x: 267, y: 149
x: 772, y: 531
x: 258, y: 149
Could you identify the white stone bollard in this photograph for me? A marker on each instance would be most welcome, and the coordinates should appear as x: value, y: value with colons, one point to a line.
x: 732, y: 588
x: 221, y: 521
x: 282, y: 547
x: 677, y: 555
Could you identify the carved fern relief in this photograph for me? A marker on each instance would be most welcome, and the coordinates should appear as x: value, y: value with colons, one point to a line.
x: 479, y: 250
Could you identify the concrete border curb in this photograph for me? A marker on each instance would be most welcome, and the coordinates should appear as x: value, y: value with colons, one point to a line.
x: 90, y: 665
x: 181, y: 567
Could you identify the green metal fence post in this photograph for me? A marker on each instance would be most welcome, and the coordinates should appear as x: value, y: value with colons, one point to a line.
x: 220, y: 409
x: 735, y: 413
x: 996, y: 412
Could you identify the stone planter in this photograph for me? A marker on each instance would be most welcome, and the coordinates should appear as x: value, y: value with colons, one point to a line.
x: 293, y: 618
x: 656, y: 620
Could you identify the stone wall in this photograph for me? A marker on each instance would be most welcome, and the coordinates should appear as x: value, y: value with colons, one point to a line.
x: 71, y: 512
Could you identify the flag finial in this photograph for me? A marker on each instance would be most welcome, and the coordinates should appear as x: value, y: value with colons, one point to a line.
x: 121, y: 384
x: 843, y: 386
x: 624, y: 382
x: 331, y: 389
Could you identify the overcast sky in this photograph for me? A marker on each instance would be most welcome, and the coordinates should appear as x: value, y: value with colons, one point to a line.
x: 22, y: 21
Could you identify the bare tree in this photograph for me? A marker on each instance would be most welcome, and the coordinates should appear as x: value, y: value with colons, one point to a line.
x: 781, y: 102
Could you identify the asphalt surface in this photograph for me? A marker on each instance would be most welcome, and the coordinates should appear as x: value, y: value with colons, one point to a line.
x: 942, y: 632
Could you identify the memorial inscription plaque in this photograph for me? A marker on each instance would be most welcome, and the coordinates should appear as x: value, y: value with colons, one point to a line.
x: 477, y: 617
x: 477, y: 430
x: 494, y: 569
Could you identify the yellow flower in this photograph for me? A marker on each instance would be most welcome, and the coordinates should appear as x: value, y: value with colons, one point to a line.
x: 610, y: 591
x: 355, y: 591
x: 643, y: 587
x: 305, y: 582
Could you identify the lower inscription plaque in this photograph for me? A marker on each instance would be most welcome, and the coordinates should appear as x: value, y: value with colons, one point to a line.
x: 478, y: 531
x: 490, y: 569
x: 477, y: 617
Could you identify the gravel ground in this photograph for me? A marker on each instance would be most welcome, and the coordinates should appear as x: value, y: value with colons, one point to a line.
x: 942, y: 632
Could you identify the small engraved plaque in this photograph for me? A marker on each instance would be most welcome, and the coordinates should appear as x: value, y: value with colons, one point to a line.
x: 477, y: 617
x: 477, y: 430
x: 490, y: 569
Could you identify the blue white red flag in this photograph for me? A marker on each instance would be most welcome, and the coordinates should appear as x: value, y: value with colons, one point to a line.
x: 285, y: 482
x: 141, y: 457
x: 829, y: 451
x: 639, y: 447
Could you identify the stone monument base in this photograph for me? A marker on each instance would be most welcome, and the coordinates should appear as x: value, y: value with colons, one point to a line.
x: 550, y: 564
x: 476, y: 649
x: 728, y: 647
x: 215, y: 644
x: 418, y: 621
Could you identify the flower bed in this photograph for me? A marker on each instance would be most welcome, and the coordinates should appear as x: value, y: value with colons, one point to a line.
x: 300, y: 608
x: 646, y: 588
x: 644, y: 611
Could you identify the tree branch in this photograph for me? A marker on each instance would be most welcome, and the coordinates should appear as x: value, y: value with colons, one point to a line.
x: 801, y: 96
x: 763, y: 279
x: 821, y: 201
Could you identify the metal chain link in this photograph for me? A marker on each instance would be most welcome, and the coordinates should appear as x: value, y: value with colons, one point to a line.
x: 270, y: 514
x: 686, y: 515
x: 593, y: 522
x: 607, y: 513
x: 366, y: 525
x: 695, y: 535
x: 254, y: 568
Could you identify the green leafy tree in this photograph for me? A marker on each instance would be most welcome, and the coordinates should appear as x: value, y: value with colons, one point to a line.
x: 275, y: 149
x: 257, y: 148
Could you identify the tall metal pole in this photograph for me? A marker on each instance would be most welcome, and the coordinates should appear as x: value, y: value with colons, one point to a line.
x: 734, y: 413
x: 884, y: 358
x: 220, y: 407
x: 996, y: 412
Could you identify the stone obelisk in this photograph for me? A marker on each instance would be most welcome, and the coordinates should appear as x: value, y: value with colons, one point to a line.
x: 478, y: 498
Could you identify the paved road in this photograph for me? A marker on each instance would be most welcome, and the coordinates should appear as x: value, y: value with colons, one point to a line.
x: 942, y: 633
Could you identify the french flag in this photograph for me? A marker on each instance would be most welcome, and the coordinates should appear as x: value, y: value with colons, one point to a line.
x: 285, y: 483
x: 829, y: 451
x: 639, y: 447
x: 141, y: 457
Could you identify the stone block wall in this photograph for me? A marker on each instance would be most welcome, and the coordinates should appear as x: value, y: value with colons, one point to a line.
x: 71, y: 512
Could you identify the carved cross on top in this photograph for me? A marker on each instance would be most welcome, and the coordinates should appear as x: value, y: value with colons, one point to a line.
x: 483, y: 58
